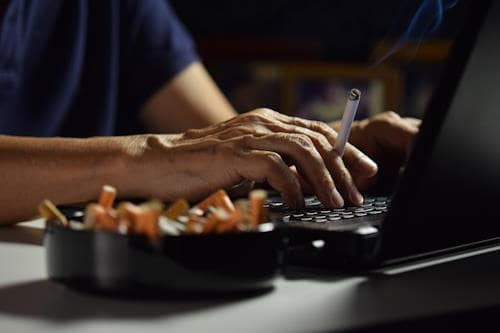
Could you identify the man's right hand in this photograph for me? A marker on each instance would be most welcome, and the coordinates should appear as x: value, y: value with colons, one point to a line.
x: 260, y: 145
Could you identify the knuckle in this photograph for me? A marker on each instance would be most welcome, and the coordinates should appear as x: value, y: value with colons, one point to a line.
x: 191, y: 133
x: 254, y: 117
x: 272, y: 161
x: 265, y: 111
x: 320, y: 126
x: 391, y: 115
x: 301, y: 140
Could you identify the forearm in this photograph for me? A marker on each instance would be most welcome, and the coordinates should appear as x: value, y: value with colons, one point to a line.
x: 63, y: 170
x: 190, y: 100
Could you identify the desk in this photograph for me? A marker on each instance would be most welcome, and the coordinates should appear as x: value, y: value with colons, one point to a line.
x: 29, y: 302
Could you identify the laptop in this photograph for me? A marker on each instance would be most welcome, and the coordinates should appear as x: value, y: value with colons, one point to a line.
x: 447, y: 200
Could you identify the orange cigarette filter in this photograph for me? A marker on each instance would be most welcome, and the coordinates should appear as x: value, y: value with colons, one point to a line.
x: 107, y: 196
x: 143, y: 221
x: 231, y: 224
x: 134, y: 215
x: 219, y: 199
x: 149, y: 224
x: 194, y: 225
x: 257, y: 212
x: 215, y: 217
x: 125, y: 223
x: 177, y: 209
x: 104, y: 219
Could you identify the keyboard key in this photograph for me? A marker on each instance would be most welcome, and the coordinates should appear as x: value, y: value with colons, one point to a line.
x: 375, y: 212
x: 297, y: 215
x: 333, y: 218
x: 360, y: 214
x: 306, y: 219
x: 311, y: 213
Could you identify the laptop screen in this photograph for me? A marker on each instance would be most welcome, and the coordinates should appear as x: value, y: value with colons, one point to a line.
x: 450, y: 193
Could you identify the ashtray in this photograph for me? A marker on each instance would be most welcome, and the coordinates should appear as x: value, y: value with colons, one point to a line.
x: 134, y: 264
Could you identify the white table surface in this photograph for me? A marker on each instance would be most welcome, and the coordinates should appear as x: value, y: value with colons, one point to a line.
x: 31, y: 303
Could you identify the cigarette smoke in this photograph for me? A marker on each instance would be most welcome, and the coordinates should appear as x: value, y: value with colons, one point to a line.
x: 426, y: 20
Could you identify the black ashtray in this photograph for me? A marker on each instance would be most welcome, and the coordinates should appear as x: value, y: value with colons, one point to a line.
x: 133, y: 264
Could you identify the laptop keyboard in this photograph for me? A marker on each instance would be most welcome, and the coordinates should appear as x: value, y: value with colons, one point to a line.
x: 315, y: 213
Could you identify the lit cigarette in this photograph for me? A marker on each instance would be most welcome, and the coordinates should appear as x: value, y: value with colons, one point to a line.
x: 345, y: 126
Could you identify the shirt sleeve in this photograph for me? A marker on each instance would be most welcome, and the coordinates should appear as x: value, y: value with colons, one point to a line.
x: 155, y: 47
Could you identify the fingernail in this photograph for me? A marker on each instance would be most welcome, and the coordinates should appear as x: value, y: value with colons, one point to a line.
x: 356, y: 197
x: 338, y: 201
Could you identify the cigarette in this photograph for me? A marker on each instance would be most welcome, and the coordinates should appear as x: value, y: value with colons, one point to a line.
x: 216, y: 216
x: 257, y: 199
x: 351, y: 108
x: 149, y: 223
x: 107, y: 197
x: 194, y: 226
x: 231, y: 223
x: 50, y: 212
x: 219, y: 199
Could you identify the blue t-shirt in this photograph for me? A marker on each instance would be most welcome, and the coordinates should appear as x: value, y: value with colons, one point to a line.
x: 82, y: 68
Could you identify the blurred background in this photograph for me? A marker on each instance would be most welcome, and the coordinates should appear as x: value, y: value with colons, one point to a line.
x: 301, y: 56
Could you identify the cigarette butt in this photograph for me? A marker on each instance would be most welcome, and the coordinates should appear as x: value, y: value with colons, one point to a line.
x: 178, y: 208
x: 215, y: 217
x: 257, y: 212
x: 168, y: 227
x: 194, y: 225
x: 149, y: 224
x: 50, y: 212
x: 231, y: 223
x: 219, y: 199
x: 104, y: 219
x: 142, y: 221
x: 196, y: 211
x: 107, y: 196
x: 90, y: 215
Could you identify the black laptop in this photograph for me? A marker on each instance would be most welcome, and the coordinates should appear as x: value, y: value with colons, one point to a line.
x: 448, y: 198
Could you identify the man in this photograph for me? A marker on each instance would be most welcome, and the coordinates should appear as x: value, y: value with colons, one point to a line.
x: 73, y: 73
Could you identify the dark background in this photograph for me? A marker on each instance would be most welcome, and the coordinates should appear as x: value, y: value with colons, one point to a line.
x: 231, y: 35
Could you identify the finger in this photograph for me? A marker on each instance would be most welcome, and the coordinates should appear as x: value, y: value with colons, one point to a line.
x: 306, y: 188
x: 269, y: 166
x: 333, y: 162
x: 357, y: 160
x: 310, y: 164
x: 413, y: 121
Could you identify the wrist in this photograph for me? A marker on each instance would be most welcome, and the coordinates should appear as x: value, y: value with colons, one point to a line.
x: 141, y: 162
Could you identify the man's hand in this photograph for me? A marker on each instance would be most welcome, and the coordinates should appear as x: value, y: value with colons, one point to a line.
x: 261, y: 146
x: 387, y: 139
